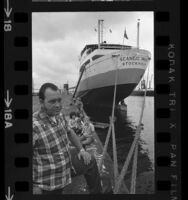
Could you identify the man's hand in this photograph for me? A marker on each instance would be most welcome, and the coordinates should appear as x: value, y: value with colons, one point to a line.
x: 85, y: 155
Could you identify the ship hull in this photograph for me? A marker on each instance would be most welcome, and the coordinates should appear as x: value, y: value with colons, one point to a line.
x: 98, y: 80
x: 104, y: 95
x: 101, y: 87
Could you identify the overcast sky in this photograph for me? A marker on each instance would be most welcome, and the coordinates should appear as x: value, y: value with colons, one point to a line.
x: 58, y: 38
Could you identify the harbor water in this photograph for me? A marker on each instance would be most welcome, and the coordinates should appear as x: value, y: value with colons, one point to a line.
x: 125, y: 129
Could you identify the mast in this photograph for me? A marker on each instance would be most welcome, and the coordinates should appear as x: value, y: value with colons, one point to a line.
x: 138, y: 33
x: 100, y: 32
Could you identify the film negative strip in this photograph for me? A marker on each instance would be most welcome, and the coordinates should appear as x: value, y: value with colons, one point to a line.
x: 19, y: 27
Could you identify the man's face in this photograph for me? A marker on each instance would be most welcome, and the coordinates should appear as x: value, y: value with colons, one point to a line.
x: 52, y: 102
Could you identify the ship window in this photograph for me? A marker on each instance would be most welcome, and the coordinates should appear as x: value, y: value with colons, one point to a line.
x: 88, y: 51
x: 96, y: 57
x: 83, y: 66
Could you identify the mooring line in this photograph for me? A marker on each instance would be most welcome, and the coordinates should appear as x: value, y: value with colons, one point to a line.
x: 131, y: 151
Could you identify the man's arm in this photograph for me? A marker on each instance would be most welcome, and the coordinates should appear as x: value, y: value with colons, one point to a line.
x: 88, y: 140
x: 76, y: 142
x: 74, y: 139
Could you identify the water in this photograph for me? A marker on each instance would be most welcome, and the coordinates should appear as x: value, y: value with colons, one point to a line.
x: 133, y: 115
x: 125, y: 129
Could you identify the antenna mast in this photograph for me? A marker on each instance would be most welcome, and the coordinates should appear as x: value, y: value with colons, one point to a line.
x: 138, y: 33
x: 100, y: 32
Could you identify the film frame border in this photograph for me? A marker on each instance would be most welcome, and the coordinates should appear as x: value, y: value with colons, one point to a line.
x: 18, y: 93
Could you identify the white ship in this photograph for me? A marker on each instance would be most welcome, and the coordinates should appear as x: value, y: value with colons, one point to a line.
x: 101, y: 63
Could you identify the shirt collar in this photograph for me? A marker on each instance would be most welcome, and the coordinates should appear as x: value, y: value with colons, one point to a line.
x: 44, y: 115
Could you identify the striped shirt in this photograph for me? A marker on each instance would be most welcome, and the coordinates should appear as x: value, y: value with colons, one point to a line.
x: 51, y: 157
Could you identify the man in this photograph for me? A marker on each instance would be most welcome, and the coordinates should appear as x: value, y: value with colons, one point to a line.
x: 52, y: 158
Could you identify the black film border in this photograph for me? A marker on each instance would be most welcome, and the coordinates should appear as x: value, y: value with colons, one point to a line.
x: 18, y: 92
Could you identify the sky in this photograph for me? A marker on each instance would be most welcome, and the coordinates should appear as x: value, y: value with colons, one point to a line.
x: 59, y: 37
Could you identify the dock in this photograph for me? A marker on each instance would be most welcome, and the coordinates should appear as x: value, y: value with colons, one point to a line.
x: 141, y: 93
x: 78, y: 185
x: 100, y: 125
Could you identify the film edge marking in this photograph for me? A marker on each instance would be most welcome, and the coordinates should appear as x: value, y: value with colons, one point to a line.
x: 8, y: 110
x: 8, y: 22
x: 9, y: 196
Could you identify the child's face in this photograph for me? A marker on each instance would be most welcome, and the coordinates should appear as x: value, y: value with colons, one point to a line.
x: 79, y: 121
x: 86, y: 122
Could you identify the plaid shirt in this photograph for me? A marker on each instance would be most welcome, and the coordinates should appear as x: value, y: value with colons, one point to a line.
x: 51, y: 158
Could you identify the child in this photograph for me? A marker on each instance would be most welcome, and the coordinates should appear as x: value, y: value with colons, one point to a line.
x: 87, y: 137
x: 72, y: 121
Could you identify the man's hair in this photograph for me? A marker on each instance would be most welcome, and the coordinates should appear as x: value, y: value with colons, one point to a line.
x: 44, y: 87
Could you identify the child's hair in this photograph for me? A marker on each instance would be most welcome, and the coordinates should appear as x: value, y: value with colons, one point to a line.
x: 86, y: 119
x: 72, y: 114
